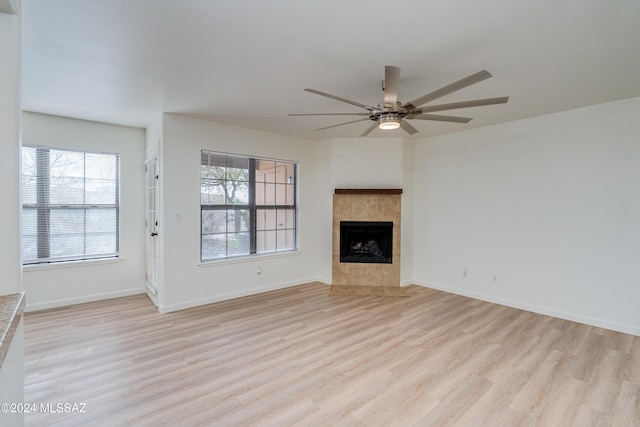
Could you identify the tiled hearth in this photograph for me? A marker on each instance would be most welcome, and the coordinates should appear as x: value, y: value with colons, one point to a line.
x: 366, y: 278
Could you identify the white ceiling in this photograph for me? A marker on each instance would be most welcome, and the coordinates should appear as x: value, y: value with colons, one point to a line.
x: 246, y: 62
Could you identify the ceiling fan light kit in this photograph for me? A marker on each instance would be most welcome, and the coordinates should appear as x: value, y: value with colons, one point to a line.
x: 389, y: 121
x: 392, y: 114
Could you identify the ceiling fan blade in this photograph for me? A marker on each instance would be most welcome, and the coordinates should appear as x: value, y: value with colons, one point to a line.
x: 464, y: 104
x: 338, y: 98
x: 369, y: 129
x: 340, y: 124
x: 391, y: 79
x: 408, y: 128
x: 455, y: 86
x: 438, y: 118
x: 331, y: 114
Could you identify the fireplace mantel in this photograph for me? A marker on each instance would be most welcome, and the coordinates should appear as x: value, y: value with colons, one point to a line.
x: 368, y: 191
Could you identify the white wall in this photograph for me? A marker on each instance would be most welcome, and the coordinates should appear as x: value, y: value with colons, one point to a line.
x: 69, y: 283
x: 11, y: 374
x: 367, y: 162
x: 549, y: 205
x: 10, y: 271
x: 408, y: 194
x: 154, y: 135
x: 184, y: 281
x: 324, y: 209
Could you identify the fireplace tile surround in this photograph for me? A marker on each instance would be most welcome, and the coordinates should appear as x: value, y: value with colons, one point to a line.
x: 366, y: 278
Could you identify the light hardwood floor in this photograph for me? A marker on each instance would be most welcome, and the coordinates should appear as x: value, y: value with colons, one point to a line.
x: 300, y: 357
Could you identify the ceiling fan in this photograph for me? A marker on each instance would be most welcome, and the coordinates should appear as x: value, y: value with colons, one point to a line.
x: 392, y: 114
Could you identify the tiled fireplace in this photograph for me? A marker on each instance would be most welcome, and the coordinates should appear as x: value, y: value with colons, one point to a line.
x: 366, y: 249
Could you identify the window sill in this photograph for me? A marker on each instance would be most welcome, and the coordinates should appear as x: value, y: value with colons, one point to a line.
x: 71, y: 264
x: 244, y: 259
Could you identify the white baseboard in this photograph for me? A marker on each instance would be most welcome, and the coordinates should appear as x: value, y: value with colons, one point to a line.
x: 574, y: 317
x: 232, y: 295
x: 79, y: 300
x: 153, y: 297
x: 325, y: 280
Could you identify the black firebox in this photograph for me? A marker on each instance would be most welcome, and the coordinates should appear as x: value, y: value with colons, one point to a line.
x: 366, y: 241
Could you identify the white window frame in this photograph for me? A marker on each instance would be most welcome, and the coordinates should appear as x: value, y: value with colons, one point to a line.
x: 251, y: 209
x: 43, y: 207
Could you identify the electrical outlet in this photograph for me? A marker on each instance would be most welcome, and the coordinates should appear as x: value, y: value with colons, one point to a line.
x: 495, y: 278
x: 465, y: 273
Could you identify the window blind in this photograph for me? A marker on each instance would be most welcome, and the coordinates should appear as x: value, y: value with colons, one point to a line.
x: 70, y: 205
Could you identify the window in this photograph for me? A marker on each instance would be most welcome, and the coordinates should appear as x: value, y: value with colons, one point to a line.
x: 70, y: 205
x: 247, y: 206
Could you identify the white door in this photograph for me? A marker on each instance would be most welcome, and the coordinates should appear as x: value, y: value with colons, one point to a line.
x: 151, y: 224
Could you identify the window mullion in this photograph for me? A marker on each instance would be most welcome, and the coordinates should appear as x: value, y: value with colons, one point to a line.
x: 252, y: 206
x: 84, y: 202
